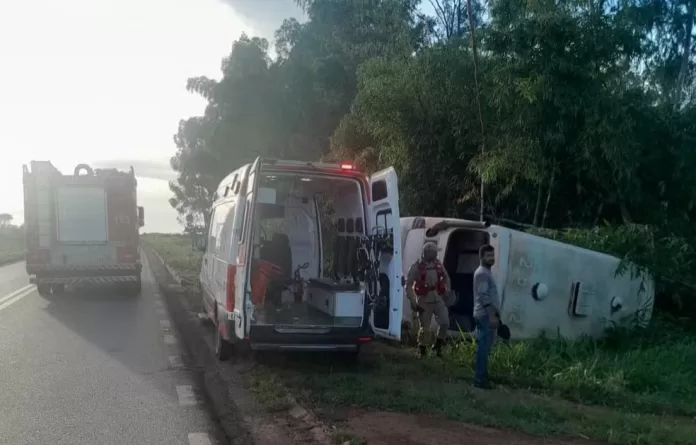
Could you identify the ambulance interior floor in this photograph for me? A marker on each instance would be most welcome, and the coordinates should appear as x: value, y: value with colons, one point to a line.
x: 300, y: 314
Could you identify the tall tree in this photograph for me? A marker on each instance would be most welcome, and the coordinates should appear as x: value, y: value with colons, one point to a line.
x: 5, y: 219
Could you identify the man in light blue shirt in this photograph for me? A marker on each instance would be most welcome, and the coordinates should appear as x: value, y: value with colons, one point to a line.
x: 486, y: 313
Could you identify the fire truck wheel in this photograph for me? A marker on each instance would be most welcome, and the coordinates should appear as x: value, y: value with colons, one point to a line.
x: 44, y: 290
x: 136, y: 287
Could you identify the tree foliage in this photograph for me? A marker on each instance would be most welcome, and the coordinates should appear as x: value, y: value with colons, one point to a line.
x: 5, y: 219
x: 590, y: 110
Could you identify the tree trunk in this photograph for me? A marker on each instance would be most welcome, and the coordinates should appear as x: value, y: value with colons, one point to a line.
x: 595, y: 222
x: 625, y: 215
x: 548, y: 197
x: 686, y: 55
x: 474, y: 53
x: 537, y: 207
x: 206, y: 221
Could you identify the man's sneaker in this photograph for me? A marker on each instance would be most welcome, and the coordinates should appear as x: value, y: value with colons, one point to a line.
x: 483, y: 384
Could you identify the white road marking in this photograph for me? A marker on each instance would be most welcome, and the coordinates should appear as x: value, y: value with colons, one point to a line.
x: 199, y: 439
x: 160, y: 311
x: 175, y: 361
x: 16, y: 292
x: 158, y: 304
x: 186, y: 396
x: 16, y: 298
x: 169, y: 339
x: 165, y: 324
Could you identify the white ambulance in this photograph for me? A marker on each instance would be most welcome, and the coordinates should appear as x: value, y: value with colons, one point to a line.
x: 280, y: 269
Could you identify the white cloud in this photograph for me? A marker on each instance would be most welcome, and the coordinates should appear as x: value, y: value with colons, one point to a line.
x: 267, y: 15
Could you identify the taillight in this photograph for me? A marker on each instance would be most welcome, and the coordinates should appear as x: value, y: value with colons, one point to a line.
x: 127, y: 255
x: 230, y: 291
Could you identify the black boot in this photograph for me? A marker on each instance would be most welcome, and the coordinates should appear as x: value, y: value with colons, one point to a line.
x: 422, y: 351
x: 437, y: 347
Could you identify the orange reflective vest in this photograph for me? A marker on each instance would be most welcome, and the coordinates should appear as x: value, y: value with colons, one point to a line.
x: 421, y: 287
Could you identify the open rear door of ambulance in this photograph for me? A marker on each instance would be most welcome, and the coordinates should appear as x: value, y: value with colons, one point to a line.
x: 383, y: 216
x: 242, y: 304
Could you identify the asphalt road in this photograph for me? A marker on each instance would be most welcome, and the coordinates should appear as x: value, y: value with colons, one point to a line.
x: 93, y: 368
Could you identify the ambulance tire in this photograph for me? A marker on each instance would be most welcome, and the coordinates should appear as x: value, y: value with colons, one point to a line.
x: 58, y: 289
x: 223, y: 348
x: 133, y: 289
x: 350, y: 357
x: 137, y: 287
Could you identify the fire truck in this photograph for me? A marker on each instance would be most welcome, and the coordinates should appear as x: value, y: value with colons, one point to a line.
x: 81, y: 229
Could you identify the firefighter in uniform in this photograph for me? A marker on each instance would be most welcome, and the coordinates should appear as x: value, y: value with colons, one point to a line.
x: 427, y: 286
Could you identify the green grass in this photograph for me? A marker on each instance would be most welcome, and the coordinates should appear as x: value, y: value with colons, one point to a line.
x: 647, y: 371
x: 11, y: 245
x: 400, y: 382
x: 341, y: 437
x: 178, y: 251
x: 633, y: 387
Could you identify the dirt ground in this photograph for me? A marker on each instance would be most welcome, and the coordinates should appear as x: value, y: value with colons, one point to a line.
x: 384, y: 428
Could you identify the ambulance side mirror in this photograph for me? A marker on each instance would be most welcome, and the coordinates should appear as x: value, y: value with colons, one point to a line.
x: 200, y: 244
x: 141, y: 216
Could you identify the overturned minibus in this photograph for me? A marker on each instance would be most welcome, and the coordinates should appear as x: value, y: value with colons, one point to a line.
x: 546, y: 286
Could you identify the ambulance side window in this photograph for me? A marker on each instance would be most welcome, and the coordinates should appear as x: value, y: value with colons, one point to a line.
x: 379, y: 191
x: 244, y: 221
x: 217, y: 223
x: 384, y: 220
x: 211, y: 231
x: 227, y: 236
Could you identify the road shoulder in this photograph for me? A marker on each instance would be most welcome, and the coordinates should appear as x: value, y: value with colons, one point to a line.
x: 227, y: 386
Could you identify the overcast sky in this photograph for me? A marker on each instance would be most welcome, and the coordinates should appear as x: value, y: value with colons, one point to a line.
x: 103, y: 82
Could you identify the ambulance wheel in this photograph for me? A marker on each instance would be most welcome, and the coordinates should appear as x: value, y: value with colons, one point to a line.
x: 223, y: 348
x: 58, y: 289
x: 350, y: 357
x: 44, y: 290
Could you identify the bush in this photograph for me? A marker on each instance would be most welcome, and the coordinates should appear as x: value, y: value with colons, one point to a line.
x: 11, y: 244
x: 178, y: 251
x: 649, y: 370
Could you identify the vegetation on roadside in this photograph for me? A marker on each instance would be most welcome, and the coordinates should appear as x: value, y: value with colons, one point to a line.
x: 632, y: 387
x: 632, y: 411
x: 178, y: 251
x: 11, y: 244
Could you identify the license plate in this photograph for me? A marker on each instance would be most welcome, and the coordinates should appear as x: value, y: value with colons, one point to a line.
x: 88, y: 255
